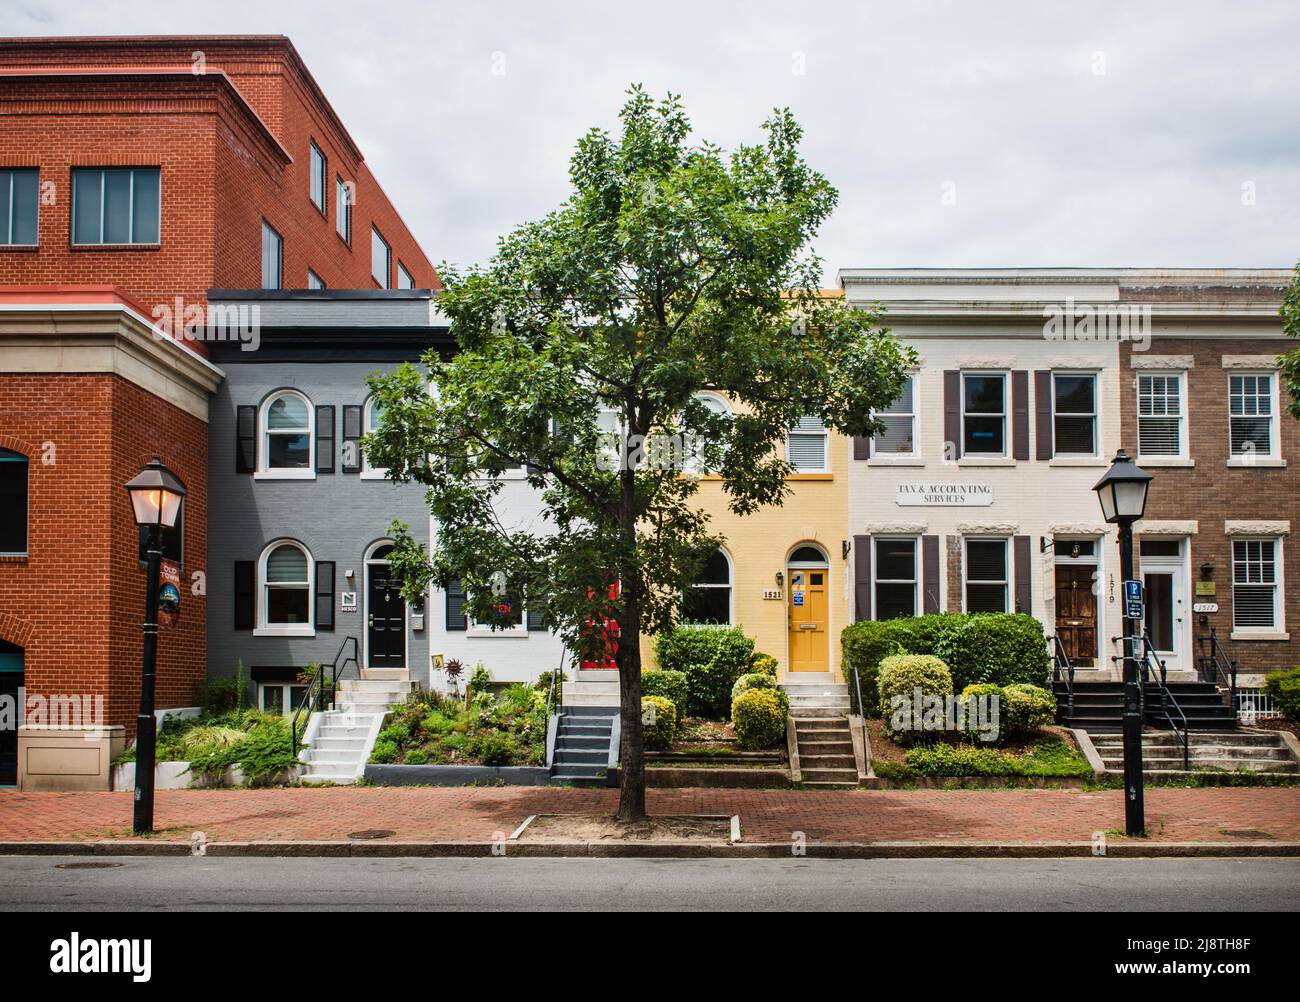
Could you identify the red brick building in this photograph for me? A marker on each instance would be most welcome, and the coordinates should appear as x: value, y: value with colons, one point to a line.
x: 140, y: 173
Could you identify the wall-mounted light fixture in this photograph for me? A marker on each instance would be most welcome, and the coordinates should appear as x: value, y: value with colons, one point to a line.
x: 845, y: 548
x: 1207, y: 570
x: 780, y: 579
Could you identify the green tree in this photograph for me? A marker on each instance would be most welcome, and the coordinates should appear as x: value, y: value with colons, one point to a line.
x: 1290, y: 363
x: 671, y: 269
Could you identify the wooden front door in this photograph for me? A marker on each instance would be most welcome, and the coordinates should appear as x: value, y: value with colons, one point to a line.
x: 1076, y: 613
x: 808, y: 608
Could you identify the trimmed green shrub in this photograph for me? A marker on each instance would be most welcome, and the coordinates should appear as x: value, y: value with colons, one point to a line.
x: 712, y: 658
x: 658, y: 722
x: 1002, y: 648
x: 1025, y: 709
x: 868, y: 642
x: 901, y: 675
x: 1284, y: 688
x: 416, y: 756
x: 989, y: 691
x: 753, y: 680
x: 669, y: 684
x: 385, y: 751
x: 759, y: 718
x: 763, y: 664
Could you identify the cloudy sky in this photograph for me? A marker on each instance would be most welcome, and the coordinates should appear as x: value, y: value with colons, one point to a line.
x: 958, y: 134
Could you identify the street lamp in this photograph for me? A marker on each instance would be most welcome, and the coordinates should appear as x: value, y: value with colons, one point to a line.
x: 1123, y: 496
x: 156, y: 498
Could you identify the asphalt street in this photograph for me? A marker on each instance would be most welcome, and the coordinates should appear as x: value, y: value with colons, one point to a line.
x: 51, y: 883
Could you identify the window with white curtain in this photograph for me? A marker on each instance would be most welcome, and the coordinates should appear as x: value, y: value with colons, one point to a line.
x: 286, y: 583
x: 286, y: 432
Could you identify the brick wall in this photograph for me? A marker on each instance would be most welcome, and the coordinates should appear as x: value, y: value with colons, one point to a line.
x: 1212, y: 492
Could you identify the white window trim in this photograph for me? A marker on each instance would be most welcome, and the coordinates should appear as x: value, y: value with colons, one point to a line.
x: 1182, y: 458
x: 916, y: 571
x: 902, y: 458
x: 265, y: 472
x: 826, y: 450
x: 1096, y: 414
x: 369, y: 472
x: 1006, y: 389
x: 286, y: 695
x: 1008, y: 599
x: 1278, y: 630
x: 369, y: 561
x: 1264, y: 459
x: 473, y: 628
x: 694, y: 463
x: 265, y: 629
x: 731, y: 594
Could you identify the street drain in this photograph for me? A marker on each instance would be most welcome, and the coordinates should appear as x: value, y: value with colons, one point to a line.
x: 1245, y: 833
x: 372, y: 833
x: 85, y: 866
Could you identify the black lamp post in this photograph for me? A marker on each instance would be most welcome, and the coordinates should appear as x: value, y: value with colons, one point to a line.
x: 1123, y: 496
x: 156, y: 498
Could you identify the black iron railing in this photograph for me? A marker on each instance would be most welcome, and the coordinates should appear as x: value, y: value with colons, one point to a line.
x: 555, y: 700
x: 1063, y: 671
x: 1215, y: 663
x: 1152, y: 672
x: 314, y: 698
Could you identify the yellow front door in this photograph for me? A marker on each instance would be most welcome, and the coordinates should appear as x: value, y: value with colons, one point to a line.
x: 809, y: 637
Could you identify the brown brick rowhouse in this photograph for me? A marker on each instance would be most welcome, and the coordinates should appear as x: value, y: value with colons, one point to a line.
x: 143, y: 173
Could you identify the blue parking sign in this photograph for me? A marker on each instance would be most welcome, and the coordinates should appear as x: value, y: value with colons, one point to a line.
x: 1133, y: 599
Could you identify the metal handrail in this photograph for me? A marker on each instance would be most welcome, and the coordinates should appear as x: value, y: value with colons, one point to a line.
x: 1148, y: 654
x: 1060, y: 656
x: 857, y: 685
x: 313, y: 699
x: 1225, y: 669
x: 555, y: 696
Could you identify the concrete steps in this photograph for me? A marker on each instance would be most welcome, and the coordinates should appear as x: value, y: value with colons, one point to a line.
x: 582, y: 741
x: 339, y: 740
x: 825, y: 749
x: 816, y: 694
x: 1223, y: 751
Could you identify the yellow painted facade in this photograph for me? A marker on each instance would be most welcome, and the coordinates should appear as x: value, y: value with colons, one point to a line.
x: 759, y: 546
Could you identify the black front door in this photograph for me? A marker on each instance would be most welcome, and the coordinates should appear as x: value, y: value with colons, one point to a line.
x: 11, y: 712
x: 386, y: 620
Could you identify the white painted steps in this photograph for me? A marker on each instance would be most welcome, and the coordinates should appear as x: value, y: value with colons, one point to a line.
x: 339, y: 740
x: 816, y: 694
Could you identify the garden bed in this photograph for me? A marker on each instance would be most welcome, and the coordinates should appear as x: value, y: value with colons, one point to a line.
x: 486, y: 731
x: 1047, y: 758
x: 233, y: 747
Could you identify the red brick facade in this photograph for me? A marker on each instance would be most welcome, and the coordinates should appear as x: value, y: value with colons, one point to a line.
x: 1213, y: 491
x: 232, y: 146
x: 76, y: 601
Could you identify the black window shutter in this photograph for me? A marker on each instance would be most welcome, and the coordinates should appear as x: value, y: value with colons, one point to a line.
x: 535, y: 621
x: 952, y: 414
x: 325, y: 594
x: 1043, y: 413
x: 1023, y: 596
x: 930, y: 574
x: 245, y: 439
x: 455, y: 606
x: 351, y: 438
x: 325, y: 438
x: 862, y: 577
x: 1020, y: 413
x: 861, y: 447
x: 245, y: 607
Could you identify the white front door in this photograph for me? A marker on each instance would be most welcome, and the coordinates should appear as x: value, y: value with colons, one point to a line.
x: 1167, y: 622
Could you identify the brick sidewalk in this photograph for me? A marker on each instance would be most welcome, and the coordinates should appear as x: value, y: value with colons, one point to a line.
x: 474, y: 814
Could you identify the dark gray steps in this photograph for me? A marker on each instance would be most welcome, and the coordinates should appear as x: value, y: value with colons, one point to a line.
x: 582, y: 746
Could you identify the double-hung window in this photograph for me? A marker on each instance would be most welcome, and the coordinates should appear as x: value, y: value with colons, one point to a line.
x: 708, y: 599
x: 986, y: 575
x: 13, y: 503
x: 319, y: 172
x: 1161, y: 415
x: 343, y: 208
x: 1255, y: 604
x: 381, y: 258
x: 287, y: 434
x: 19, y: 205
x: 1251, y: 414
x: 115, y: 205
x: 806, y: 446
x: 286, y: 585
x: 272, y: 257
x: 896, y: 577
x: 984, y: 414
x: 1074, y: 414
x: 899, y: 419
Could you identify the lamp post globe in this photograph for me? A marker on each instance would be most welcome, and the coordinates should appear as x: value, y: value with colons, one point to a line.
x: 157, y: 496
x: 1122, y: 494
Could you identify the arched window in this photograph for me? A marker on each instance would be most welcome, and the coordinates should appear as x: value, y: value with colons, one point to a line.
x: 13, y: 503
x: 288, y: 446
x: 285, y: 587
x: 696, y: 460
x: 807, y: 555
x: 708, y: 599
x: 372, y: 416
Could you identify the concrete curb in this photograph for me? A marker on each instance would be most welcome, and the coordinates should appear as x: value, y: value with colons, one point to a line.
x: 1115, y: 848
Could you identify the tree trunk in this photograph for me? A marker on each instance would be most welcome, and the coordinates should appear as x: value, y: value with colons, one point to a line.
x: 631, y: 751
